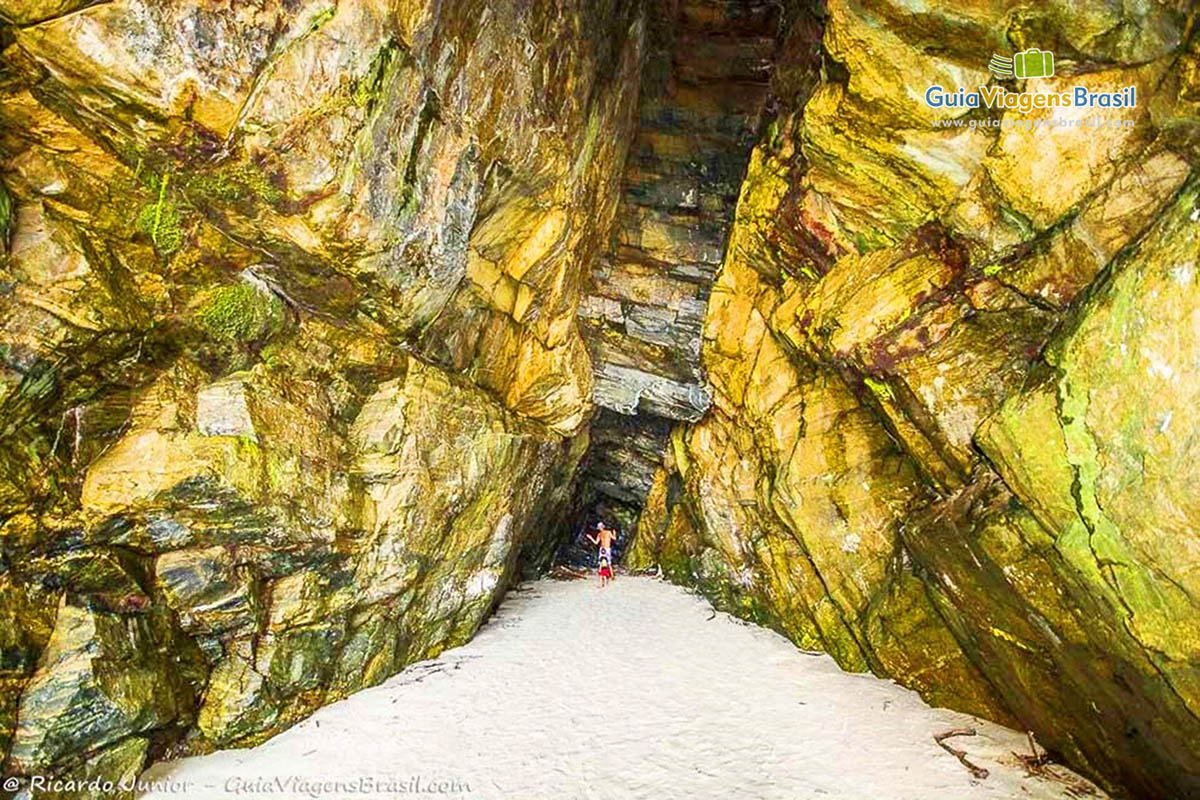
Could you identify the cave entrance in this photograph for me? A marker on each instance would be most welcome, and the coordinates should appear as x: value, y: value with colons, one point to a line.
x: 704, y: 98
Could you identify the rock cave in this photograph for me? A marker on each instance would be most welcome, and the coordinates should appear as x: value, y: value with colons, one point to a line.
x: 324, y: 323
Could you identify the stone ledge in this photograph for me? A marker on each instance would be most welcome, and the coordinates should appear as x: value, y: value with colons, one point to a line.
x: 632, y: 392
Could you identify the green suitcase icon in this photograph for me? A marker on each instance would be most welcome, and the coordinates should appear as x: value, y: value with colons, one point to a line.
x: 1034, y: 64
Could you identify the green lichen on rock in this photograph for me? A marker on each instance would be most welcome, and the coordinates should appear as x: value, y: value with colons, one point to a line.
x: 201, y: 473
x: 240, y: 313
x: 999, y: 516
x: 6, y: 217
x: 958, y: 457
x: 367, y: 86
x: 234, y: 183
x: 162, y: 220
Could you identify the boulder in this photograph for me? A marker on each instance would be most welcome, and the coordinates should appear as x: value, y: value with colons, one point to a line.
x: 102, y: 677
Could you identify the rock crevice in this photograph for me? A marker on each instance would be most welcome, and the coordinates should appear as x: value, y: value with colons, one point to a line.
x: 704, y: 88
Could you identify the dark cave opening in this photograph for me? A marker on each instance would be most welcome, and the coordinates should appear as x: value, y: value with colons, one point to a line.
x: 705, y: 97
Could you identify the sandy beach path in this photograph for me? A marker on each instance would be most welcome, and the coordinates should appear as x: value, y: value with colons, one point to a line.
x: 639, y: 690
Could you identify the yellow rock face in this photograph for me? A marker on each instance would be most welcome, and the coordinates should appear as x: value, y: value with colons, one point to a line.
x: 889, y: 72
x: 148, y: 464
x: 932, y: 352
x: 794, y: 491
x: 290, y: 297
x: 1069, y: 260
x: 1044, y: 173
x: 292, y: 384
x: 883, y: 182
x: 862, y: 298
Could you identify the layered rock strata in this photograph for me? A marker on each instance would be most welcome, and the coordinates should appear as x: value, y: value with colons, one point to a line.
x: 290, y: 376
x: 308, y: 309
x: 704, y: 86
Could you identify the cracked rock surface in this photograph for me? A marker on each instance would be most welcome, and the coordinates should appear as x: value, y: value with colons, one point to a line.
x: 291, y: 381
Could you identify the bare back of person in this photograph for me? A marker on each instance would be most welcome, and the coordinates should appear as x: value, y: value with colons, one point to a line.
x: 606, y: 537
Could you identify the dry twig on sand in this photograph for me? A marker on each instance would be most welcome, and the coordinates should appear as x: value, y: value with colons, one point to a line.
x: 1040, y: 764
x: 961, y: 755
x: 561, y: 572
x: 1032, y: 763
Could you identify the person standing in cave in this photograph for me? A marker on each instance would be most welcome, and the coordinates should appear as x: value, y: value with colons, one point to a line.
x: 604, y: 538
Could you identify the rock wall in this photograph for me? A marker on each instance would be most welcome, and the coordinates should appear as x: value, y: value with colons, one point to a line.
x: 952, y: 434
x: 290, y: 375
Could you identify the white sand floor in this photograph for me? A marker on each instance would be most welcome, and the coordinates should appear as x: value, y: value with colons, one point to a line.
x: 635, y: 691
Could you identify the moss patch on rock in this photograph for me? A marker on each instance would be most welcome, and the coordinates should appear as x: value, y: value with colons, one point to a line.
x: 234, y: 183
x: 240, y: 314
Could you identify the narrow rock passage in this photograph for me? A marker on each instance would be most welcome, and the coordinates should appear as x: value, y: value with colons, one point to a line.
x: 634, y: 691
